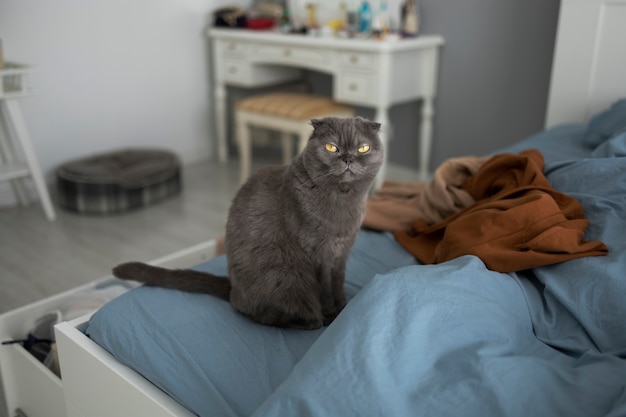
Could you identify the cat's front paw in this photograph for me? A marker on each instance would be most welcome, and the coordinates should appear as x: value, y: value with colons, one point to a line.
x: 332, y: 315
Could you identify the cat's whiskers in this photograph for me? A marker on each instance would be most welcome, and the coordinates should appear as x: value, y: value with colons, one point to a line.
x: 325, y: 176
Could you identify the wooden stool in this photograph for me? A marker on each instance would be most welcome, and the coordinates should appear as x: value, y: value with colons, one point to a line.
x: 288, y: 113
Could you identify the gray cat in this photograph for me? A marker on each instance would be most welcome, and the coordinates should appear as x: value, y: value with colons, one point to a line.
x: 290, y: 230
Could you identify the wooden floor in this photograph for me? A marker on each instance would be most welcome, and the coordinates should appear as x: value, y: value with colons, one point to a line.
x: 39, y: 258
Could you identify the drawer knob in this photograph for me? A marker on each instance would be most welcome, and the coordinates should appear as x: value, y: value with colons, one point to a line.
x: 353, y: 87
x: 354, y: 59
x: 232, y: 46
x: 232, y: 70
x: 287, y: 52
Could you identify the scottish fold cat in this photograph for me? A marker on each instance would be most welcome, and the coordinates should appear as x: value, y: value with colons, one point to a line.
x: 290, y: 230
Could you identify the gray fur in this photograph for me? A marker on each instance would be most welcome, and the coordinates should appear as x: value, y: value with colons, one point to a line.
x: 289, y: 232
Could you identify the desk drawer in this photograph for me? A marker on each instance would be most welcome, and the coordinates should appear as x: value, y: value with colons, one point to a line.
x: 356, y: 88
x: 292, y: 55
x: 235, y: 71
x: 358, y: 60
x: 244, y: 74
x: 233, y: 48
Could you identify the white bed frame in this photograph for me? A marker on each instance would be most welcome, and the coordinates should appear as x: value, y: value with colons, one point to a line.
x: 97, y: 385
x: 35, y: 391
x: 588, y: 74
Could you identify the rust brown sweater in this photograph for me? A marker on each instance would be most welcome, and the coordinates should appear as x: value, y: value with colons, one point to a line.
x: 518, y: 221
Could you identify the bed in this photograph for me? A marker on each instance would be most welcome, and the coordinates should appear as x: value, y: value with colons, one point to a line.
x: 453, y: 338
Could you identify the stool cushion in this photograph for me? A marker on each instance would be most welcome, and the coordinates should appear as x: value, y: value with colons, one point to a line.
x: 297, y: 106
x: 118, y: 181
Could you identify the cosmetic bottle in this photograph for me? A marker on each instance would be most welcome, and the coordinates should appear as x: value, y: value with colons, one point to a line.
x: 365, y: 17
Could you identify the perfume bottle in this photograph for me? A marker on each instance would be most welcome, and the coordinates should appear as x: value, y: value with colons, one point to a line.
x: 409, y: 18
x: 311, y: 16
x: 285, y: 21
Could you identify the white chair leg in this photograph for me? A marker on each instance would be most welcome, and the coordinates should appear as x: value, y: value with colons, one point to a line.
x: 8, y: 157
x: 285, y: 137
x: 243, y: 143
x: 14, y: 113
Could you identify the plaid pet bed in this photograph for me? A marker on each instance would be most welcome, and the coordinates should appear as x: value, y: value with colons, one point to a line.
x: 118, y: 181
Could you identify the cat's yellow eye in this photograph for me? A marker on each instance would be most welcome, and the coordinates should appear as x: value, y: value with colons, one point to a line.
x: 364, y: 148
x: 331, y: 148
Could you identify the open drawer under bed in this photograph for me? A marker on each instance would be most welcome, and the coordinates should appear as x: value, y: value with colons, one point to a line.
x: 33, y: 390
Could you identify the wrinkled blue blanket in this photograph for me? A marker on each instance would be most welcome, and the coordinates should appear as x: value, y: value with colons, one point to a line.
x: 459, y: 340
x: 453, y: 339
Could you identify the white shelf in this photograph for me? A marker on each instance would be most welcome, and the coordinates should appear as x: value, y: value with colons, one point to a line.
x: 13, y: 80
x: 13, y: 170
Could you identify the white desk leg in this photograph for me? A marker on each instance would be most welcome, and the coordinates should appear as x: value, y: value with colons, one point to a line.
x: 382, y: 117
x: 220, y: 120
x: 8, y: 157
x: 287, y: 143
x: 426, y: 137
x: 12, y: 109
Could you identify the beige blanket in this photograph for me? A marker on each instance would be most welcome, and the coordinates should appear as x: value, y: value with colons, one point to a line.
x: 397, y: 206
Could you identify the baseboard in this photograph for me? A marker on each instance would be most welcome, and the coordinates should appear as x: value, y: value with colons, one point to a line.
x: 8, y: 198
x: 401, y: 173
x: 195, y: 155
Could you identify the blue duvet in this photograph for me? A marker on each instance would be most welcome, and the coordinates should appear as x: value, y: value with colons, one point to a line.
x: 453, y: 339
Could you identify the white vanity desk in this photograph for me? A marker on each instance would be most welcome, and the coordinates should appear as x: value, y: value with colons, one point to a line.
x: 368, y: 73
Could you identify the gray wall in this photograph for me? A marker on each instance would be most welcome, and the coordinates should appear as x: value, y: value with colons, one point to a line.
x: 494, y: 76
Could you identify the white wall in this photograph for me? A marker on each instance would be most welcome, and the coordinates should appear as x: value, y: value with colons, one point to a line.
x: 113, y: 74
x: 117, y: 73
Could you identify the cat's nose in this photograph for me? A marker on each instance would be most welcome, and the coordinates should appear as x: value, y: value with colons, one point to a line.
x: 348, y: 159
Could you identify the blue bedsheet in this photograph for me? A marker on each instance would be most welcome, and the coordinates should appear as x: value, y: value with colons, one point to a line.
x: 440, y: 340
x: 207, y: 356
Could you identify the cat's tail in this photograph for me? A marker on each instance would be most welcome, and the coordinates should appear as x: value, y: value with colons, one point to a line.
x: 186, y: 280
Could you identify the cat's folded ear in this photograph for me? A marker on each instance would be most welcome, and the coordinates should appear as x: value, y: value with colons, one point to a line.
x: 322, y: 126
x: 373, y: 126
x: 317, y: 123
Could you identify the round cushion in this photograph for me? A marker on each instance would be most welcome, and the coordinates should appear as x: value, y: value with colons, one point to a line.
x: 118, y: 181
